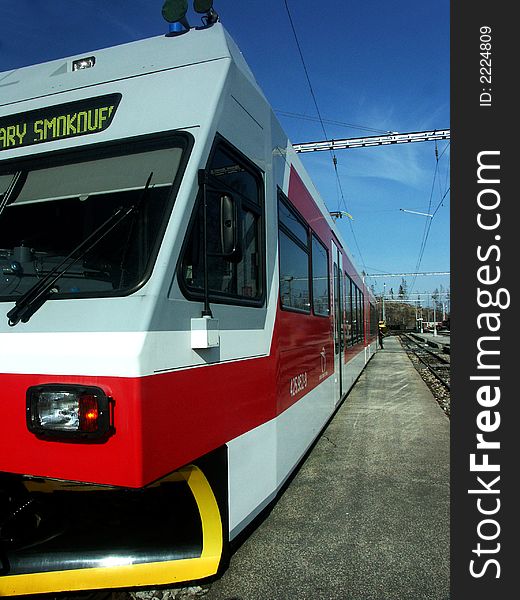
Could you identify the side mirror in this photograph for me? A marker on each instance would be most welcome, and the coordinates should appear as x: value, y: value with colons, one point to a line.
x: 230, y: 228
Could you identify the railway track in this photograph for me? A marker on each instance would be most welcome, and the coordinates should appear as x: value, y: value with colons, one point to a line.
x: 434, y: 367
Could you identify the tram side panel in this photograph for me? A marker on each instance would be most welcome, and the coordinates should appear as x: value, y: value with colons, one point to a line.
x: 262, y: 458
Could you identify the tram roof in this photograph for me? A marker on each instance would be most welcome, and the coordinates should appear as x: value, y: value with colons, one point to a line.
x: 124, y: 61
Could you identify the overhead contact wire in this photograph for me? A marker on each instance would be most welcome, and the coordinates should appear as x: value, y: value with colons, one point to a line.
x: 333, y: 155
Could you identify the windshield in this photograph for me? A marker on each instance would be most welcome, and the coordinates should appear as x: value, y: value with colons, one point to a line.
x: 60, y: 205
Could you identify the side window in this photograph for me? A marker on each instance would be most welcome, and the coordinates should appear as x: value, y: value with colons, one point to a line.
x: 354, y: 313
x: 348, y: 311
x: 294, y: 259
x: 234, y: 208
x: 361, y: 317
x: 357, y: 309
x: 320, y: 278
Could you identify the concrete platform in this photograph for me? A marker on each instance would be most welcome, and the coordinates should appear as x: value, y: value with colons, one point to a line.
x: 367, y: 515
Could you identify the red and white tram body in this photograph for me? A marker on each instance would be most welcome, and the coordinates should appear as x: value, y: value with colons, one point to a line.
x: 197, y: 343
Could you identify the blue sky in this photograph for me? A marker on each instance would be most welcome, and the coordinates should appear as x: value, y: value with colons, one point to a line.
x: 381, y: 65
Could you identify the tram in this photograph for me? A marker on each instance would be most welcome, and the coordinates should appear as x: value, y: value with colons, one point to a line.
x: 179, y: 315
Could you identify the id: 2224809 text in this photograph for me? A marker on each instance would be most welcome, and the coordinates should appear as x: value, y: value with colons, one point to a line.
x: 485, y: 66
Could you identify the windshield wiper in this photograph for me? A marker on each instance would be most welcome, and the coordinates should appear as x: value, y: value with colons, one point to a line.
x: 38, y: 294
x: 14, y: 189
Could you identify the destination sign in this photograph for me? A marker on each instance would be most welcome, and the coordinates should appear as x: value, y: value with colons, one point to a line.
x: 58, y: 122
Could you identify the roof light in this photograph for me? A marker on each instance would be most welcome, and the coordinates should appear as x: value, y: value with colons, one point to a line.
x: 206, y: 7
x: 174, y: 12
x: 69, y: 411
x: 83, y: 63
x: 202, y: 6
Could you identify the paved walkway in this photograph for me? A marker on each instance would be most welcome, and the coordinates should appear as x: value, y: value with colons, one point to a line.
x: 367, y: 515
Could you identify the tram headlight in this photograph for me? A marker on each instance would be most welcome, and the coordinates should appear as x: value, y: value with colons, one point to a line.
x: 69, y: 412
x: 84, y: 63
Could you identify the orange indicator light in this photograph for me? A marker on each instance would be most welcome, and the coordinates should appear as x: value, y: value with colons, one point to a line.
x: 88, y: 413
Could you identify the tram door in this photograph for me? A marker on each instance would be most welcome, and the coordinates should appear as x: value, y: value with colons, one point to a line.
x: 337, y: 303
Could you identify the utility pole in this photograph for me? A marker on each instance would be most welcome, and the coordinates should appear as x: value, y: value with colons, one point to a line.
x: 384, y: 294
x: 421, y: 314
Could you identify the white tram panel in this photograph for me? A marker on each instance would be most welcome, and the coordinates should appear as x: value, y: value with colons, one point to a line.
x: 166, y: 84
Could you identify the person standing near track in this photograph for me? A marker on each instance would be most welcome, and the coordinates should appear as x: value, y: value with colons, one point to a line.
x: 380, y: 337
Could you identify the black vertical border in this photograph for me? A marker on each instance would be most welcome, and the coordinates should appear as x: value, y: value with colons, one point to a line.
x: 475, y: 129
